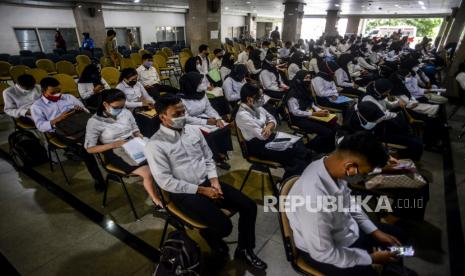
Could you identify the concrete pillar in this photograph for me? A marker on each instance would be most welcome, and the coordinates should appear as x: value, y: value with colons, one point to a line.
x: 251, y: 23
x: 445, y: 20
x: 447, y: 28
x: 89, y: 19
x: 451, y: 84
x: 332, y: 17
x: 353, y: 23
x: 204, y: 24
x: 457, y: 26
x: 292, y: 23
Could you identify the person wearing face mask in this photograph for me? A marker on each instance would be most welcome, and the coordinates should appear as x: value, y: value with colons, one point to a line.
x: 227, y: 64
x: 295, y: 64
x: 149, y: 78
x: 327, y: 92
x: 254, y: 64
x: 271, y: 80
x: 201, y: 113
x: 257, y: 126
x: 136, y: 95
x: 318, y: 55
x: 233, y: 83
x: 109, y: 129
x: 216, y: 62
x: 342, y: 242
x: 341, y: 79
x: 181, y: 163
x: 19, y: 98
x: 203, y: 64
x: 53, y: 108
x: 264, y: 50
x: 302, y: 108
x: 90, y: 84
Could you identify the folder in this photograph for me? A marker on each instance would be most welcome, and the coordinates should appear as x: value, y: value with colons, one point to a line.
x: 326, y: 119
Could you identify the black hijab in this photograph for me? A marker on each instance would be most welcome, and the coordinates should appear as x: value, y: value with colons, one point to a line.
x: 327, y: 77
x: 191, y: 65
x: 238, y: 72
x: 297, y: 58
x: 398, y: 86
x: 329, y: 67
x: 255, y: 57
x: 300, y: 90
x: 226, y: 61
x: 268, y: 65
x: 378, y: 88
x: 91, y: 74
x: 188, y: 84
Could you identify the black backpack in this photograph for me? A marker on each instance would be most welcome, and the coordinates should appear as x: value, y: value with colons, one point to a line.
x: 26, y: 149
x: 73, y: 127
x: 179, y: 255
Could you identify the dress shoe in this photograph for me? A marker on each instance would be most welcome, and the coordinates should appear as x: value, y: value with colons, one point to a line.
x: 250, y: 258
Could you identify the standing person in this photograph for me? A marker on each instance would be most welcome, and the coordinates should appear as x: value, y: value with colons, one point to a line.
x: 131, y: 39
x: 275, y: 36
x: 88, y: 43
x: 181, y: 163
x: 149, y: 78
x: 60, y: 42
x: 109, y: 48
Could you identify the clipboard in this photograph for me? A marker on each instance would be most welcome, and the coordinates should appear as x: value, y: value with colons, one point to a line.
x: 149, y: 113
x: 326, y: 119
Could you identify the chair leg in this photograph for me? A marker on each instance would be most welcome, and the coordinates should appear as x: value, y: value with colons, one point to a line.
x: 61, y: 168
x: 50, y: 158
x: 129, y: 199
x: 105, y: 192
x: 263, y: 185
x: 165, y: 228
x: 246, y: 177
x: 273, y: 185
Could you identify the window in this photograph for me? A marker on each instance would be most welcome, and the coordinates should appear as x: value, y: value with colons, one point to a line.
x: 27, y: 39
x: 169, y: 33
x: 122, y: 38
x: 43, y: 39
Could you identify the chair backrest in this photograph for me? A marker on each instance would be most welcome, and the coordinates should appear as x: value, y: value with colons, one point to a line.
x: 242, y: 142
x: 37, y: 73
x: 182, y: 62
x: 66, y: 67
x: 159, y: 60
x: 163, y: 54
x: 143, y: 52
x: 111, y: 76
x: 105, y: 62
x: 136, y: 58
x: 4, y: 69
x: 68, y: 85
x: 83, y: 59
x: 127, y: 63
x: 80, y: 68
x: 168, y: 51
x: 18, y: 70
x: 47, y: 65
x: 184, y: 54
x: 3, y: 86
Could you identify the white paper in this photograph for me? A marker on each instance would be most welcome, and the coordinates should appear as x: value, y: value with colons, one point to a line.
x: 211, y: 128
x: 282, y: 146
x: 214, y: 34
x: 135, y: 149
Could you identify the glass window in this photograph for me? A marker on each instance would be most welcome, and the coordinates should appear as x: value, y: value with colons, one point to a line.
x: 169, y: 34
x: 122, y: 36
x: 27, y: 39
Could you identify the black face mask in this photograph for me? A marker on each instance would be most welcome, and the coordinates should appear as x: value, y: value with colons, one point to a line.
x: 132, y: 83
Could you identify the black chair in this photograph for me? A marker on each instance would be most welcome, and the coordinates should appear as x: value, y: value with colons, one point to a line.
x: 28, y: 61
x: 59, y: 51
x: 15, y: 60
x: 69, y: 57
x: 5, y: 57
x: 39, y: 55
x: 73, y: 52
x: 25, y: 53
x: 53, y: 57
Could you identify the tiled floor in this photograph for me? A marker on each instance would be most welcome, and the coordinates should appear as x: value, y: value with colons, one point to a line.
x: 42, y: 235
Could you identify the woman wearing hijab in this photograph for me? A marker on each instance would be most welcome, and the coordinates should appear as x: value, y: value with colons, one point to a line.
x: 327, y: 92
x: 302, y: 108
x: 271, y: 80
x: 200, y: 112
x: 227, y: 63
x: 254, y: 64
x: 393, y: 128
x: 233, y: 83
x: 357, y: 72
x: 90, y: 84
x: 295, y: 64
x: 318, y: 55
x: 341, y: 78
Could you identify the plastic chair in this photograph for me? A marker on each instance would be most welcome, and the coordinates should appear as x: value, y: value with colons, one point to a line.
x: 136, y: 58
x: 46, y: 65
x: 37, y: 73
x: 54, y: 144
x: 28, y: 61
x: 3, y: 86
x: 127, y: 63
x: 5, y: 71
x: 66, y: 67
x: 111, y: 76
x: 68, y: 85
x: 18, y: 70
x: 83, y: 59
x: 160, y: 61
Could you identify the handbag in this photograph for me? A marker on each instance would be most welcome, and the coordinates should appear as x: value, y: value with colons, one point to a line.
x: 404, y: 176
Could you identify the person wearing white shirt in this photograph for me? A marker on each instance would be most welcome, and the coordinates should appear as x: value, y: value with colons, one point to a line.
x: 53, y: 108
x: 216, y: 62
x: 264, y: 50
x: 257, y: 126
x: 284, y: 52
x: 327, y: 93
x: 460, y: 76
x: 182, y: 165
x: 341, y: 79
x: 90, y: 84
x: 270, y: 79
x: 227, y: 64
x: 20, y: 97
x: 341, y: 242
x: 149, y: 78
x: 295, y: 64
x: 254, y: 64
x: 136, y: 95
x: 233, y: 83
x: 360, y: 75
x: 243, y: 57
x: 318, y: 55
x: 203, y: 66
x: 201, y: 113
x: 109, y: 129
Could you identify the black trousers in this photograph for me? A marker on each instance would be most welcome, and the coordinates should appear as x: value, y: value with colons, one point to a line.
x: 219, y: 142
x: 365, y: 242
x: 294, y: 160
x: 221, y: 105
x: 352, y: 91
x: 155, y: 90
x: 434, y: 128
x: 274, y: 94
x: 325, y: 102
x: 324, y: 141
x: 207, y: 211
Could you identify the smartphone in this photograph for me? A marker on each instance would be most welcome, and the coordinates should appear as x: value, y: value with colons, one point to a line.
x: 281, y: 140
x: 406, y: 251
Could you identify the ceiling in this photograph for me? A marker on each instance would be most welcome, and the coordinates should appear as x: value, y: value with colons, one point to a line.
x: 275, y: 8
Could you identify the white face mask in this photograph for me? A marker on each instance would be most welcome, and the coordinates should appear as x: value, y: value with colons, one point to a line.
x: 203, y: 86
x: 178, y: 123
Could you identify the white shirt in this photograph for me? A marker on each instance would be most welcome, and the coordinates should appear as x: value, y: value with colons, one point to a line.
x: 224, y: 71
x: 293, y: 105
x: 384, y: 105
x: 43, y: 111
x: 86, y: 90
x: 269, y: 80
x: 107, y: 130
x: 242, y: 57
x: 180, y: 160
x: 147, y: 77
x: 251, y: 67
x: 284, y: 52
x: 232, y: 89
x: 415, y: 90
x: 326, y: 236
x: 460, y: 78
x: 204, y: 67
x: 324, y: 88
x: 292, y: 70
x: 313, y: 66
x: 355, y: 70
x: 198, y: 111
x: 252, y: 121
x: 134, y: 94
x: 364, y: 64
x: 342, y: 79
x: 18, y: 101
x: 263, y: 53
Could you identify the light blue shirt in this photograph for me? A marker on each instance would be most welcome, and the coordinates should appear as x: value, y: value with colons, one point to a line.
x: 43, y: 110
x: 232, y: 89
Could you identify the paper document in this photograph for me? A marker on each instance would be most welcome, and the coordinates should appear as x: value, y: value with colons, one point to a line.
x: 135, y: 149
x: 149, y: 113
x: 340, y: 99
x: 282, y: 145
x: 211, y: 128
x: 324, y: 119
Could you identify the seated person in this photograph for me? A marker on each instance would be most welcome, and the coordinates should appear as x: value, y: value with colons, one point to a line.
x: 53, y: 107
x: 341, y: 243
x: 421, y: 94
x: 201, y: 113
x: 227, y: 63
x: 257, y: 126
x: 302, y: 109
x: 181, y: 163
x: 295, y: 64
x: 148, y: 76
x: 285, y: 51
x: 109, y: 129
x: 216, y: 62
x: 358, y: 74
x: 327, y: 92
x: 342, y: 79
x: 318, y: 55
x: 244, y: 55
x: 271, y: 80
x: 90, y: 84
x: 233, y: 83
x: 19, y: 98
x: 393, y: 127
x: 136, y: 95
x: 254, y: 64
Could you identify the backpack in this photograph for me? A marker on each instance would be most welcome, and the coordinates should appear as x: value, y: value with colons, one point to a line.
x: 26, y: 149
x: 179, y: 255
x: 73, y: 127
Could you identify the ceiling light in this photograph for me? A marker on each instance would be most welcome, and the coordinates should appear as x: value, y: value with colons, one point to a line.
x: 396, y: 5
x: 226, y: 8
x: 248, y: 2
x: 79, y: 6
x: 136, y: 1
x: 421, y: 2
x: 337, y: 5
x: 423, y: 7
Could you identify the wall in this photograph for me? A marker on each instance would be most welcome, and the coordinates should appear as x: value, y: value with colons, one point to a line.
x: 14, y: 16
x: 228, y: 21
x: 147, y: 21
